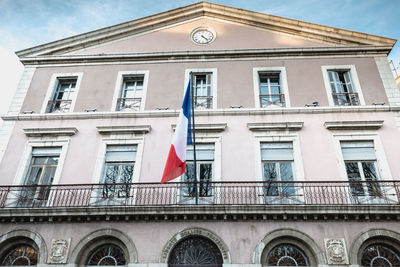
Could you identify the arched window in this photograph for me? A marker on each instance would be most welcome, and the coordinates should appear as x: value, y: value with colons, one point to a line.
x: 380, y: 255
x: 108, y: 254
x: 195, y: 251
x: 20, y: 255
x: 287, y: 255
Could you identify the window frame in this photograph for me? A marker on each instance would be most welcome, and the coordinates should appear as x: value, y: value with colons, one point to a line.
x: 354, y: 78
x: 213, y: 72
x: 282, y: 82
x: 119, y: 87
x: 53, y: 86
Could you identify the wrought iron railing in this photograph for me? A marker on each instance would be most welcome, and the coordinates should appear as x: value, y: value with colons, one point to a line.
x: 203, y: 102
x: 220, y: 193
x: 54, y: 106
x: 345, y: 99
x: 129, y: 104
x: 274, y: 99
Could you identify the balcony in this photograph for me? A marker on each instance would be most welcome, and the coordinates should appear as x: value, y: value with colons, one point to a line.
x: 346, y: 99
x: 203, y: 102
x: 272, y: 100
x: 128, y: 104
x: 55, y: 106
x: 207, y: 193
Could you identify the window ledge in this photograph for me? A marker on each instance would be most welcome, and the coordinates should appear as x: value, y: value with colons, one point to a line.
x: 212, y: 127
x: 139, y: 129
x: 268, y: 126
x: 67, y: 131
x: 353, y: 125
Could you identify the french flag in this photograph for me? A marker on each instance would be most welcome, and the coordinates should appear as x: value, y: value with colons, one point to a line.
x: 176, y: 161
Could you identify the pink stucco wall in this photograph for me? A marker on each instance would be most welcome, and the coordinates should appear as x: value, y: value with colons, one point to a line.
x: 234, y: 82
x: 177, y: 38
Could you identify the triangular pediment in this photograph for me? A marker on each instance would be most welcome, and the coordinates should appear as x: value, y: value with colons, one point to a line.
x: 235, y: 29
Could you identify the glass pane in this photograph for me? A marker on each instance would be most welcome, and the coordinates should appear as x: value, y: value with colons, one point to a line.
x: 39, y: 160
x: 371, y: 177
x: 275, y: 90
x: 205, y: 178
x: 34, y: 175
x: 188, y: 188
x: 111, y: 174
x: 286, y: 175
x: 264, y: 90
x: 274, y: 81
x: 270, y: 174
x: 353, y: 173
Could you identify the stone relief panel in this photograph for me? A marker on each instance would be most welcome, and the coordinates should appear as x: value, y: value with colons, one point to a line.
x: 336, y: 251
x: 59, y: 251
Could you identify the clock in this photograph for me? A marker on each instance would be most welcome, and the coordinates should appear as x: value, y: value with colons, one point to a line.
x: 203, y: 35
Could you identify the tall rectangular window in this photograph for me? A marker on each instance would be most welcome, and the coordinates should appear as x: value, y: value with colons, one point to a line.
x: 63, y: 95
x: 360, y: 162
x: 204, y: 170
x: 270, y: 89
x: 277, y: 168
x: 41, y: 171
x: 130, y: 98
x: 343, y: 92
x: 202, y: 85
x: 118, y: 170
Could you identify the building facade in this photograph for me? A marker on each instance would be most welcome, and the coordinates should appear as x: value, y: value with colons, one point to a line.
x: 297, y: 140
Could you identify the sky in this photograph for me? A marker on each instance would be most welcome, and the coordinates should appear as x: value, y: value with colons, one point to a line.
x: 27, y: 23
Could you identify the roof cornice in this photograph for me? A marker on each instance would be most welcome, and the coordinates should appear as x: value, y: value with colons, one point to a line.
x: 303, y: 29
x: 177, y: 56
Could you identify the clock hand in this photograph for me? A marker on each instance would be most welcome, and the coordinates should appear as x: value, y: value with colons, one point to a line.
x: 205, y: 38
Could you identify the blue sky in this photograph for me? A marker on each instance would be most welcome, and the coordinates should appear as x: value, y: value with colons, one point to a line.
x: 26, y: 23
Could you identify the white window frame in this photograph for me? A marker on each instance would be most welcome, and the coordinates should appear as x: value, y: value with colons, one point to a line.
x: 354, y: 78
x: 383, y: 169
x: 283, y: 81
x: 119, y: 83
x: 213, y: 72
x: 51, y: 89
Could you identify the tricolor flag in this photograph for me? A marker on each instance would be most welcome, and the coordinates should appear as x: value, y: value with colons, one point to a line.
x: 176, y: 161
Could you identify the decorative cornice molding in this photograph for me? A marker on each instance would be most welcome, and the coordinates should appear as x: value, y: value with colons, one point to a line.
x: 210, y: 127
x: 66, y: 131
x: 275, y: 126
x: 202, y: 55
x: 294, y: 27
x: 138, y: 129
x: 353, y: 125
x: 214, y: 112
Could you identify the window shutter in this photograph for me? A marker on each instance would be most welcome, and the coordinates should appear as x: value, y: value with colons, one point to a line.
x: 358, y: 150
x: 277, y: 151
x: 349, y: 84
x: 126, y: 153
x: 203, y: 152
x: 334, y: 81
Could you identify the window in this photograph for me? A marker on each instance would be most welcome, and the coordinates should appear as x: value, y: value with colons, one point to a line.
x: 361, y: 168
x: 202, y: 87
x: 287, y: 255
x: 270, y: 89
x: 130, y: 98
x: 40, y: 175
x: 204, y: 171
x: 380, y: 255
x: 20, y: 255
x: 343, y: 92
x: 118, y: 170
x: 107, y: 255
x: 63, y: 95
x: 277, y: 168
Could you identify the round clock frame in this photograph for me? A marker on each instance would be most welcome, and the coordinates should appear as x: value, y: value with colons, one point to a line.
x: 203, y: 35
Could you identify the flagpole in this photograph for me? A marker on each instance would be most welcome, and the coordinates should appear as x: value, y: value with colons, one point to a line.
x: 194, y: 138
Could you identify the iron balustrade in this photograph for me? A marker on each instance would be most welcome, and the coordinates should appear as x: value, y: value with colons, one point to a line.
x: 220, y: 193
x: 203, y: 102
x: 129, y: 104
x: 272, y: 99
x: 54, y: 106
x: 346, y: 99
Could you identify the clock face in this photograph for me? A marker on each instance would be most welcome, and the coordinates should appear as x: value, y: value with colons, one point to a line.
x: 203, y: 36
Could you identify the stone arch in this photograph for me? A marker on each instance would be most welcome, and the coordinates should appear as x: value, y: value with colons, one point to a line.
x: 385, y: 236
x: 13, y: 237
x: 223, y: 248
x: 300, y: 239
x: 100, y: 237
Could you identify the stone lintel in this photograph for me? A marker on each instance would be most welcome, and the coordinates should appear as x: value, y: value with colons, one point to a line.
x: 210, y: 127
x: 353, y: 125
x: 275, y: 126
x: 66, y: 131
x: 140, y: 129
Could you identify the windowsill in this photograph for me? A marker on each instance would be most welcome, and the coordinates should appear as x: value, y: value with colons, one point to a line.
x: 214, y: 112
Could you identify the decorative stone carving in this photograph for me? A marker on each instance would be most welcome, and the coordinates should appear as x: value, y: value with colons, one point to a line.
x: 59, y: 251
x: 336, y: 251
